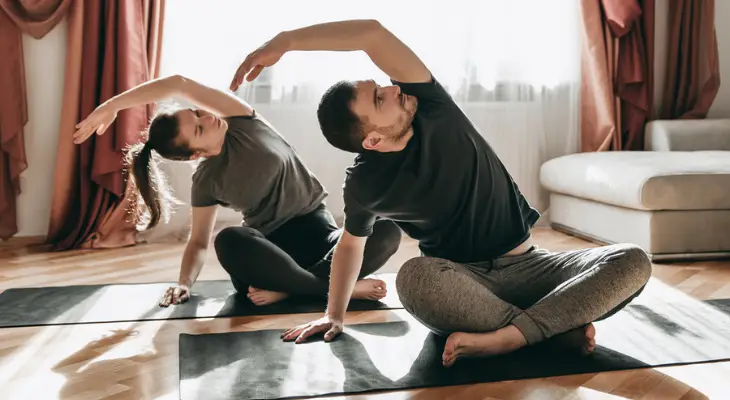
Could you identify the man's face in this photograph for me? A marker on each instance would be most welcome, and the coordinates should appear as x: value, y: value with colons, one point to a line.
x: 386, y: 114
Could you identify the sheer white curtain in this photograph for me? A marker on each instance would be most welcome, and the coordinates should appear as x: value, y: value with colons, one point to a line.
x: 513, y: 66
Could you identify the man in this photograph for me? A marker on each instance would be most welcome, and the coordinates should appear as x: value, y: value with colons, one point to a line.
x: 423, y: 164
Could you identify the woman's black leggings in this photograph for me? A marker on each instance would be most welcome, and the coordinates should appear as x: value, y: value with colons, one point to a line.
x: 296, y: 258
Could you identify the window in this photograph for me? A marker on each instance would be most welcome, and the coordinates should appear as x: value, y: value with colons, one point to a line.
x: 481, y: 51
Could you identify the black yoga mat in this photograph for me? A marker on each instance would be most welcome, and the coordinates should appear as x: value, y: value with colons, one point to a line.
x: 403, y: 355
x: 65, y: 305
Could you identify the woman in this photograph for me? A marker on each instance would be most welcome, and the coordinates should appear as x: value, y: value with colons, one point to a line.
x: 284, y: 246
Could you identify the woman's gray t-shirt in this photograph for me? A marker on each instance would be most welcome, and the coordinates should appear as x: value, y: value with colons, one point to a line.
x: 259, y: 174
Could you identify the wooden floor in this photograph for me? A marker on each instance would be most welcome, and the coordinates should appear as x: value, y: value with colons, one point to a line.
x: 139, y: 360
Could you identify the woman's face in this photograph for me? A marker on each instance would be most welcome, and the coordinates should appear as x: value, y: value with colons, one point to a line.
x: 202, y: 131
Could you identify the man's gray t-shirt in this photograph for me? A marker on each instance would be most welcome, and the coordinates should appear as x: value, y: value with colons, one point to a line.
x: 259, y: 174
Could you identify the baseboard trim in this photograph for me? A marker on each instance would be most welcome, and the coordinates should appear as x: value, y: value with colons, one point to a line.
x: 655, y: 257
x: 688, y: 257
x: 20, y: 241
x: 579, y: 234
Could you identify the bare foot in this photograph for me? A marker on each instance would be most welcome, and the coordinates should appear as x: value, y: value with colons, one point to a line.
x: 460, y: 344
x: 262, y: 297
x: 369, y: 289
x: 582, y: 339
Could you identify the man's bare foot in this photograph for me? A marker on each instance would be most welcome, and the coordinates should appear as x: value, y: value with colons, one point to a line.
x: 582, y: 339
x: 460, y: 344
x: 369, y: 289
x: 262, y: 297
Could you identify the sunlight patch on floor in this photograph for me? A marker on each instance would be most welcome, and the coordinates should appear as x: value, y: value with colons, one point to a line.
x: 393, y: 356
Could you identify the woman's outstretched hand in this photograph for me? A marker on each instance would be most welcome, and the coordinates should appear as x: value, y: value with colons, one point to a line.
x: 98, y: 121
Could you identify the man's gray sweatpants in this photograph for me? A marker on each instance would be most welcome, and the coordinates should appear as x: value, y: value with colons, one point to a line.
x: 542, y: 293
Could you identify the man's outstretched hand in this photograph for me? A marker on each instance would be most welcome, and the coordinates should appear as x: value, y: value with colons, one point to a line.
x: 265, y: 56
x: 325, y: 325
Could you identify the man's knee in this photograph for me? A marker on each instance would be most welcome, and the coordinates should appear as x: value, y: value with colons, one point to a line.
x: 407, y: 277
x: 418, y: 282
x: 417, y: 287
x: 635, y: 264
x: 445, y: 298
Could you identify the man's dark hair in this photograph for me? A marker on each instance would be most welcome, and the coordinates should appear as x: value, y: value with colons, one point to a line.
x: 340, y: 126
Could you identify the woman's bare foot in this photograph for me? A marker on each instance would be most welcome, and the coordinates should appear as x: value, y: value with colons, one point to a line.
x: 262, y: 297
x: 369, y: 289
x: 582, y: 339
x: 366, y: 289
x: 460, y: 344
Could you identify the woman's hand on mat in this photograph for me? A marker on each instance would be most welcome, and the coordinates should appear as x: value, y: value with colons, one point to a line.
x: 265, y: 56
x: 301, y: 333
x: 175, y: 295
x: 98, y: 121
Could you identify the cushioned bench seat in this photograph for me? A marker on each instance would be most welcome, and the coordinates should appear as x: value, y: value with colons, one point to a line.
x: 647, y: 180
x: 675, y: 204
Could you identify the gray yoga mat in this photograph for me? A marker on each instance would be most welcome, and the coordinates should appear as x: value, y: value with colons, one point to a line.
x: 64, y: 305
x: 404, y: 355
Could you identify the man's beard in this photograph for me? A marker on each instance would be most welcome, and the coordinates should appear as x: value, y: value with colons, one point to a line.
x: 403, y: 131
x: 396, y: 132
x: 406, y: 125
x: 400, y: 133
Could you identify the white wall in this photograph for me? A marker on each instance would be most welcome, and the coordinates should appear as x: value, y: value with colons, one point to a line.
x: 721, y: 106
x: 45, y: 62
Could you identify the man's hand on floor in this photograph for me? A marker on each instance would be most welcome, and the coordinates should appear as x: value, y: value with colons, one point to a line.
x: 301, y: 333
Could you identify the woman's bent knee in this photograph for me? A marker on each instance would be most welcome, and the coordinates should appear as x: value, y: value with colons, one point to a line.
x: 386, y: 237
x: 230, y: 241
x: 233, y: 236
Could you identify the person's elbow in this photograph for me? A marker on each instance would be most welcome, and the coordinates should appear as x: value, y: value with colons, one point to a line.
x: 374, y: 25
x: 197, y: 244
x: 178, y: 84
x: 373, y: 32
x: 350, y: 242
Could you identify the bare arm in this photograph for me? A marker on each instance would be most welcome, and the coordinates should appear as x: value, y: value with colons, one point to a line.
x: 197, y: 247
x: 389, y: 53
x: 213, y: 100
x: 346, y: 264
x: 216, y: 101
x: 194, y: 255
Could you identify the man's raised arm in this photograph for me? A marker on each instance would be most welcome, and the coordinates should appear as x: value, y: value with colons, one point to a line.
x: 389, y: 53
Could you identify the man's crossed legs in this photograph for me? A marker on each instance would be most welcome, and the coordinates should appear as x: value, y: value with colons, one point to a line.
x: 499, y: 306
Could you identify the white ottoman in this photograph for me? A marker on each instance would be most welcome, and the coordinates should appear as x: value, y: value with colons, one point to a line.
x: 674, y: 204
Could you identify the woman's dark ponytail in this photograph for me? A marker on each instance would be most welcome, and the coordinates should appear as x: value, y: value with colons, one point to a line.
x: 150, y: 182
